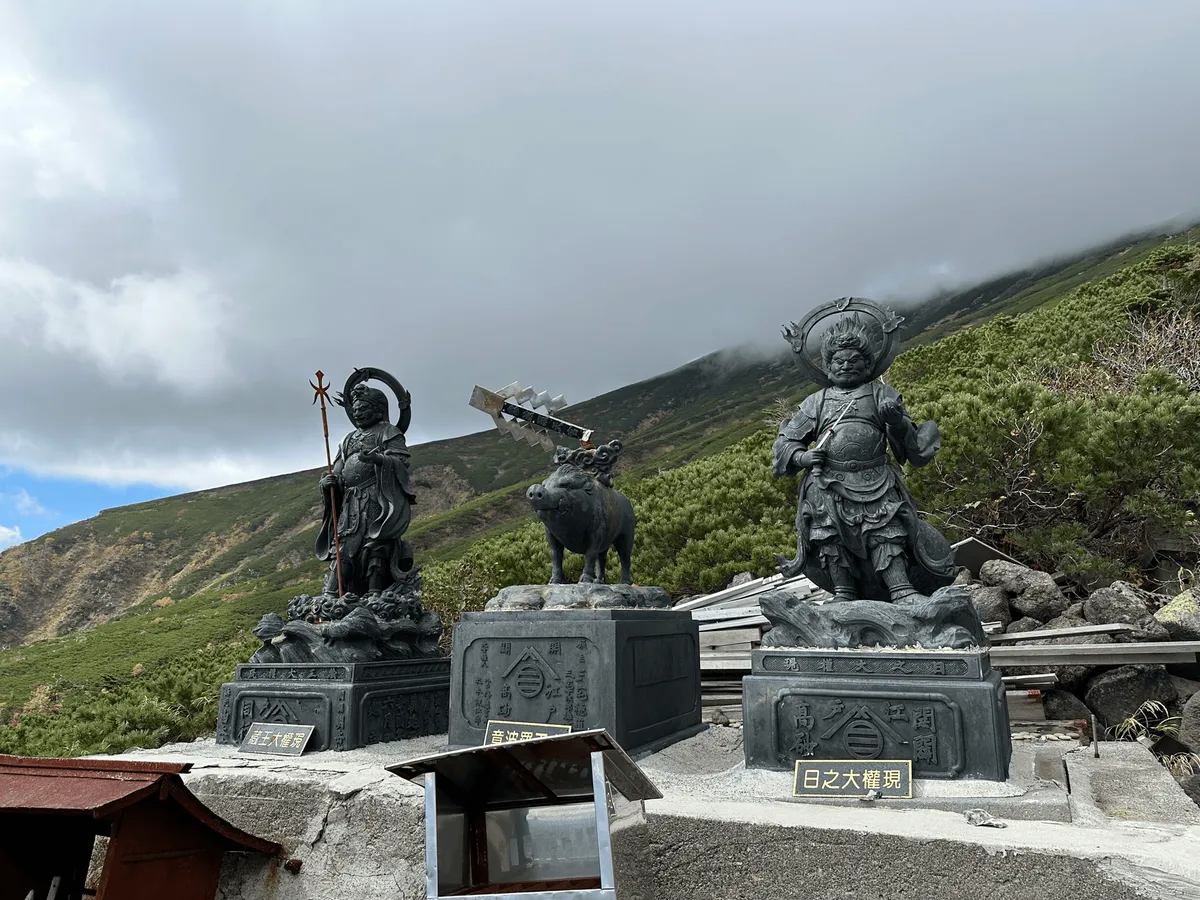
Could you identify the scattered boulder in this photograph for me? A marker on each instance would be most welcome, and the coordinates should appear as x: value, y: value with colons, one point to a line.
x: 1070, y: 678
x: 1148, y: 631
x: 1073, y: 678
x: 1189, y: 723
x: 1065, y: 621
x: 1117, y: 694
x: 1032, y: 593
x: 1123, y: 603
x: 1191, y: 787
x: 1062, y: 706
x: 1075, y: 610
x: 741, y: 578
x: 1181, y: 617
x: 1185, y: 687
x: 992, y: 604
x: 1119, y: 603
x: 1025, y: 623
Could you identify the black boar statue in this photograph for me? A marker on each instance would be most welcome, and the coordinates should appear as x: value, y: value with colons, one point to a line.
x: 583, y: 513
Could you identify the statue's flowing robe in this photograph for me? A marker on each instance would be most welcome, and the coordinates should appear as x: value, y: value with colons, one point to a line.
x: 375, y: 506
x: 856, y: 510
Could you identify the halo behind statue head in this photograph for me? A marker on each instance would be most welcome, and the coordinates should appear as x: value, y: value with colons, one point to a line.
x: 403, y: 398
x: 879, y: 323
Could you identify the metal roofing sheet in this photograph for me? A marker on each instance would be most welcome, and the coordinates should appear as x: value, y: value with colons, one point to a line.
x: 555, y: 767
x: 101, y: 788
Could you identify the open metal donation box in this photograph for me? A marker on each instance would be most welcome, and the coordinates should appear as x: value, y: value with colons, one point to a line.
x: 526, y: 819
x: 162, y: 841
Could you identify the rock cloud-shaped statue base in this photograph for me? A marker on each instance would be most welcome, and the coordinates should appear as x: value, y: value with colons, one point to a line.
x: 946, y: 620
x: 579, y: 596
x: 325, y: 628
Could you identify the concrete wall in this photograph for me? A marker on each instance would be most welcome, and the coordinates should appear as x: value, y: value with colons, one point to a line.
x: 359, y: 838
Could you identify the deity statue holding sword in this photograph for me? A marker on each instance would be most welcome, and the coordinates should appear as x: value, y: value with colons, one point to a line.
x: 858, y: 532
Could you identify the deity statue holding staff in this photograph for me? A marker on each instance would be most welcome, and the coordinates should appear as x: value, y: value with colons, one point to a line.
x: 368, y: 494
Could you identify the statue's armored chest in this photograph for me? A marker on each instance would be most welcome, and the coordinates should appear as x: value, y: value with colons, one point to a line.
x: 859, y: 435
x: 356, y: 470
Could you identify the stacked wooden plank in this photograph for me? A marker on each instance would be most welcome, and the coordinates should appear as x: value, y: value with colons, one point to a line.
x: 731, y: 623
x: 1160, y: 652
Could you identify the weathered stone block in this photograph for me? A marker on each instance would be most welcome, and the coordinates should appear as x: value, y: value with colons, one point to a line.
x: 633, y: 672
x: 1063, y: 706
x: 992, y: 604
x: 1118, y: 693
x: 351, y: 705
x: 944, y: 710
x: 1181, y: 617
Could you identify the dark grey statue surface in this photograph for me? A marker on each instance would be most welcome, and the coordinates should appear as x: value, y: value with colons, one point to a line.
x: 947, y: 620
x: 580, y: 596
x: 584, y: 513
x: 361, y: 661
x: 858, y: 532
x: 895, y: 665
x: 369, y: 492
x: 377, y: 613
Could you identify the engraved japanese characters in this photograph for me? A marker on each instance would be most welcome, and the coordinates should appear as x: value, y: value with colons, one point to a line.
x: 858, y: 532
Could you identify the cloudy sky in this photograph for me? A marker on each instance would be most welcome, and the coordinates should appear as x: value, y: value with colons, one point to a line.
x: 201, y: 203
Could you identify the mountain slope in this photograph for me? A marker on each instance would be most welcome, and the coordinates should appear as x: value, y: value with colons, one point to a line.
x: 1102, y: 443
x: 210, y: 541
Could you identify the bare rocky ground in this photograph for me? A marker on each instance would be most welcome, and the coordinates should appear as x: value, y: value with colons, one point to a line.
x: 1123, y: 830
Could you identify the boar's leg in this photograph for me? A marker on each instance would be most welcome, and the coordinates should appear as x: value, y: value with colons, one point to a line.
x: 556, y: 559
x: 624, y: 546
x: 589, y: 566
x: 602, y: 568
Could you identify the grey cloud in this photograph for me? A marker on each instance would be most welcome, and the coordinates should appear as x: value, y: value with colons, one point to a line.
x: 459, y: 192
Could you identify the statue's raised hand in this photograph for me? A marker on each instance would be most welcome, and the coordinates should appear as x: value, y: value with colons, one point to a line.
x: 811, y: 459
x: 374, y: 456
x: 891, y: 411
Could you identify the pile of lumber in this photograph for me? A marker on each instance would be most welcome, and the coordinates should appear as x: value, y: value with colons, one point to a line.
x: 731, y: 623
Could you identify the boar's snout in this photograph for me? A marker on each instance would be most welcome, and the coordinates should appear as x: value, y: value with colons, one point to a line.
x: 542, y: 497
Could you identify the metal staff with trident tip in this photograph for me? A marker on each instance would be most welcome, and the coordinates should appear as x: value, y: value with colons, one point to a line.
x: 322, y: 393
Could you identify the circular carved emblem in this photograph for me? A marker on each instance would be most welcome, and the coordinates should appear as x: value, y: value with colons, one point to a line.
x: 530, y: 680
x: 862, y: 740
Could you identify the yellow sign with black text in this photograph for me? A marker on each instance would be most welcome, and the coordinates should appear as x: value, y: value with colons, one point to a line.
x: 887, y: 778
x: 500, y: 732
x: 276, y: 738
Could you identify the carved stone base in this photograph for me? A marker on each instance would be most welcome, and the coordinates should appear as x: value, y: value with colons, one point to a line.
x: 635, y: 673
x: 351, y: 705
x: 579, y: 596
x: 946, y: 620
x: 944, y: 710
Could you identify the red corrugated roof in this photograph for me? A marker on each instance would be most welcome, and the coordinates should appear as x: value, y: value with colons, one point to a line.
x: 100, y: 788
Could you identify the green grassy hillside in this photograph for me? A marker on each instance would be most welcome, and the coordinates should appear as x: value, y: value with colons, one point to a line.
x: 707, y: 507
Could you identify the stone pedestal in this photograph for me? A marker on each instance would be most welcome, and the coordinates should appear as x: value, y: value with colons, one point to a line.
x: 943, y: 709
x: 634, y: 672
x: 350, y: 704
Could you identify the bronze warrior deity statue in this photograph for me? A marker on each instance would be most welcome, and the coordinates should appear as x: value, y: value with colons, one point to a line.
x: 371, y: 488
x: 859, y: 534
